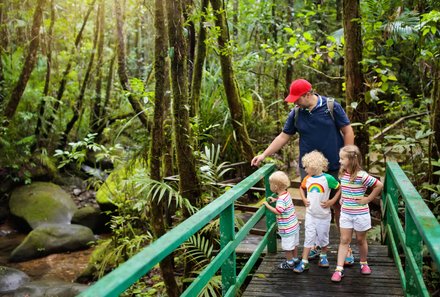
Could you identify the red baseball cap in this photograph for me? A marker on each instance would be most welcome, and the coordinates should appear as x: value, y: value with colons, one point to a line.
x: 298, y: 88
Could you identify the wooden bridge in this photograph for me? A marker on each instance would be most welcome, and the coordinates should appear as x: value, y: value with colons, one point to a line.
x: 397, y: 265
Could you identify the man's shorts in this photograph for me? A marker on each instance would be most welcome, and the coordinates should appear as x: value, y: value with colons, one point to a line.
x: 357, y: 222
x: 290, y: 242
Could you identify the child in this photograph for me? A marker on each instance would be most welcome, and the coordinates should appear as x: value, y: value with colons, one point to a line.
x: 315, y: 191
x: 355, y: 213
x: 288, y: 226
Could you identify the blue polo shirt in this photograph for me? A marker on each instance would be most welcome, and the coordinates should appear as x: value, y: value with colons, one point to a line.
x: 318, y: 131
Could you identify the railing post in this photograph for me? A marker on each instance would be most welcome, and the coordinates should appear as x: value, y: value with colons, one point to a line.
x: 270, y: 219
x: 390, y: 196
x: 415, y: 244
x: 227, y: 234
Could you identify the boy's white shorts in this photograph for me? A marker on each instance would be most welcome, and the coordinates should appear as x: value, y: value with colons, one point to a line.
x: 291, y: 242
x: 357, y: 222
x: 316, y: 231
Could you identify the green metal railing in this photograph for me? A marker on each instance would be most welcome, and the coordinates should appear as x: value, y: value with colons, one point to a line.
x: 131, y: 271
x: 420, y: 228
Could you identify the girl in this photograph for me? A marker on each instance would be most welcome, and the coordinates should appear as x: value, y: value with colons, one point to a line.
x: 355, y: 213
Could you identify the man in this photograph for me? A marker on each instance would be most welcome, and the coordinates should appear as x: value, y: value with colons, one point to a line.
x: 319, y: 129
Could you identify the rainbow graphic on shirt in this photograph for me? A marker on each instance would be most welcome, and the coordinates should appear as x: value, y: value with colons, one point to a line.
x: 315, y: 188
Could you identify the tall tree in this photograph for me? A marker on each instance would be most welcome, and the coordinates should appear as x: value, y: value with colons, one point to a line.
x: 122, y: 67
x: 356, y: 106
x: 189, y: 184
x: 230, y: 83
x: 29, y: 62
x: 3, y: 44
x: 199, y: 60
x: 42, y: 106
x: 95, y: 112
x: 63, y: 82
x: 158, y: 206
x: 79, y: 102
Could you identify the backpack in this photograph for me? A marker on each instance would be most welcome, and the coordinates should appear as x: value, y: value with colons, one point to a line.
x: 330, y: 107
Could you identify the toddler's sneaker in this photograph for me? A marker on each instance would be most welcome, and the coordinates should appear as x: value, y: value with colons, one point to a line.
x: 323, y: 262
x: 349, y: 260
x: 286, y: 265
x: 365, y: 269
x: 337, y: 276
x: 301, y: 267
x: 313, y: 254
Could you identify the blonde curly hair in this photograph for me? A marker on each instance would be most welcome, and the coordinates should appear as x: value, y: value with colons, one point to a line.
x: 279, y: 181
x: 315, y: 161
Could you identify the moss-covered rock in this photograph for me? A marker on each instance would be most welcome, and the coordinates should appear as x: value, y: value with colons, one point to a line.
x: 41, y: 203
x: 92, y: 218
x: 45, y: 288
x: 11, y: 279
x: 52, y: 238
x: 114, y: 189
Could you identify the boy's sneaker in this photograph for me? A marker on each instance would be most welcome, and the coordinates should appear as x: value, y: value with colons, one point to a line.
x: 349, y: 260
x: 365, y: 269
x: 323, y: 262
x: 301, y: 267
x: 286, y: 265
x: 313, y: 254
x: 337, y: 276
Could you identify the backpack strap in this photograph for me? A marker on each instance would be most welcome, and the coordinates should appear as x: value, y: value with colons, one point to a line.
x: 330, y: 106
x: 296, y: 110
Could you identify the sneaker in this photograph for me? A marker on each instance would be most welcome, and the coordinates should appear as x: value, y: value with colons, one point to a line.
x: 301, y: 267
x: 286, y: 265
x: 365, y: 269
x: 349, y: 260
x: 323, y: 262
x: 313, y: 254
x: 337, y: 276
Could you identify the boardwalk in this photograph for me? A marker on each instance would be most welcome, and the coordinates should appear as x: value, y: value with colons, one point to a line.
x: 268, y: 280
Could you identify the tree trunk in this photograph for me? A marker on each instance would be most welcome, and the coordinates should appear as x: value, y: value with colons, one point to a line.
x: 78, y: 105
x: 42, y: 106
x: 199, y: 60
x: 29, y: 62
x: 122, y: 68
x: 3, y: 45
x: 66, y: 72
x: 189, y: 183
x: 159, y: 223
x: 187, y: 5
x: 353, y: 74
x: 95, y: 118
x: 435, y: 120
x: 230, y: 84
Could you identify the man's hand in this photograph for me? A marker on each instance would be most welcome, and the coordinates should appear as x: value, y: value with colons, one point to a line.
x: 257, y: 160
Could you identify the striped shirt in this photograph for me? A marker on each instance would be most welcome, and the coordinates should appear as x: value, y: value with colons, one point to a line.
x: 286, y: 220
x: 352, y: 191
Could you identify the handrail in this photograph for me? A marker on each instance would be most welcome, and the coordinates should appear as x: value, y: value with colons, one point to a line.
x: 137, y: 266
x: 420, y: 227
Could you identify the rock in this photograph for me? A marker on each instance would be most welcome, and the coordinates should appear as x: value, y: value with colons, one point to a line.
x: 77, y: 192
x: 110, y: 194
x: 41, y: 203
x: 92, y: 218
x: 52, y: 238
x: 11, y: 279
x: 50, y: 289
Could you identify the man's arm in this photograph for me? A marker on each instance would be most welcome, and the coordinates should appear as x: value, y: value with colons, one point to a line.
x: 274, y: 147
x: 348, y: 133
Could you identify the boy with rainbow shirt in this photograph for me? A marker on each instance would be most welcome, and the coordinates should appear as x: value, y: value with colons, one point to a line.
x: 315, y: 191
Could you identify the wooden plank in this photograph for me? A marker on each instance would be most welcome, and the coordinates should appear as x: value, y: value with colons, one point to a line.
x: 269, y: 280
